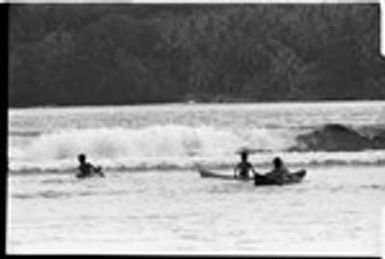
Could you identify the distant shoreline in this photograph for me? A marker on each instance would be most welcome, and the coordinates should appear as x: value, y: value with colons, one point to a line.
x: 76, y: 55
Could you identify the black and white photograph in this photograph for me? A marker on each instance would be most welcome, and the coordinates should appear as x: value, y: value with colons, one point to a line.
x: 205, y: 128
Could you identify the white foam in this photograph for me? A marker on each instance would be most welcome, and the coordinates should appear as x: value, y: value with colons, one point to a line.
x: 170, y: 146
x: 154, y: 141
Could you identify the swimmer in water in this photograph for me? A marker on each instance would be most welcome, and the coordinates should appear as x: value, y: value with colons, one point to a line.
x: 87, y: 169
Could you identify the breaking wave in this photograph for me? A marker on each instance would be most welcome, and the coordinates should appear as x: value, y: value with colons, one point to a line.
x: 155, y: 141
x: 165, y: 147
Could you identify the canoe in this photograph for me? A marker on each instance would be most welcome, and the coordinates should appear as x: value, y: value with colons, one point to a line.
x: 295, y: 177
x: 208, y: 174
x: 258, y: 179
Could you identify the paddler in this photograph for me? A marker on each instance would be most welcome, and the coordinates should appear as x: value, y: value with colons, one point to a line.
x: 243, y: 168
x: 279, y: 172
x: 86, y: 168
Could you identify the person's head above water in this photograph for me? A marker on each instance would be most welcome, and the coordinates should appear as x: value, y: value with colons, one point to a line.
x: 277, y: 161
x: 82, y: 158
x: 244, y: 154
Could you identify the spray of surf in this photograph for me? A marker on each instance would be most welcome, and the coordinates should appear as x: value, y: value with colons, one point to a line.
x: 155, y: 141
x: 168, y: 147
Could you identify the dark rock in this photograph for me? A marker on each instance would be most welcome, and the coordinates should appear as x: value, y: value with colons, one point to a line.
x: 378, y: 141
x: 334, y: 137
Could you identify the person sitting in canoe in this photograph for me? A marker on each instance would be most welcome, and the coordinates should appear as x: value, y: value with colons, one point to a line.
x: 243, y: 168
x: 87, y: 169
x: 279, y: 172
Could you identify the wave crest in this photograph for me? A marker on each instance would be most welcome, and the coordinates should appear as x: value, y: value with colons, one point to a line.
x: 165, y: 147
x: 155, y: 141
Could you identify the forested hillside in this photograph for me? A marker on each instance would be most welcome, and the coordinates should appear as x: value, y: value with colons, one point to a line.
x: 72, y: 54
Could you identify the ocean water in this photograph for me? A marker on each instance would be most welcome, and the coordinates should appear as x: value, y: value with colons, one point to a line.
x: 153, y: 200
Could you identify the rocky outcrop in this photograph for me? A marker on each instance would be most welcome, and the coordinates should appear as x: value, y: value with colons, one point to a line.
x: 336, y: 137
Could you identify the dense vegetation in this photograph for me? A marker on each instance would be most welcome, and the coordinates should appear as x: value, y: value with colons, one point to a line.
x: 63, y: 54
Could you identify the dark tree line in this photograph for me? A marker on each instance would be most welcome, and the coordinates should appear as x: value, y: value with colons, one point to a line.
x: 61, y: 54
